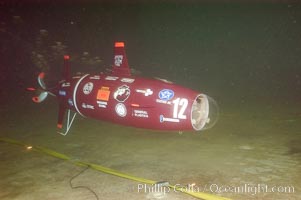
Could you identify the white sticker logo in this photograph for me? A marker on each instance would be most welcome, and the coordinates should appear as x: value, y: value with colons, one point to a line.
x: 66, y: 84
x: 102, y: 104
x: 146, y: 92
x: 127, y: 80
x: 120, y: 109
x: 88, y: 87
x: 96, y: 77
x: 118, y: 60
x: 87, y: 106
x: 122, y: 93
x: 111, y: 78
x: 166, y: 119
x: 141, y: 113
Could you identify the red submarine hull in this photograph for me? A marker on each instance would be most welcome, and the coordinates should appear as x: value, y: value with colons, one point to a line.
x: 137, y: 102
x: 121, y: 98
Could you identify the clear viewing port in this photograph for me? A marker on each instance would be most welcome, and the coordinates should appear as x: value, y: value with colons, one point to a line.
x: 204, y: 112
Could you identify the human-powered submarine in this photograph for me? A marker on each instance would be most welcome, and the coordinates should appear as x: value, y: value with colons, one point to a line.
x: 122, y: 98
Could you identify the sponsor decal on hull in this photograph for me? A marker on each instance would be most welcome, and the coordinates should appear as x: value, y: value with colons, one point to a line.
x: 120, y: 110
x: 87, y: 106
x: 118, y: 60
x: 166, y: 119
x: 103, y: 94
x: 162, y: 101
x: 88, y: 87
x: 146, y: 92
x: 102, y: 104
x: 111, y: 78
x: 122, y: 93
x: 96, y: 77
x: 62, y: 93
x: 66, y: 84
x: 166, y: 94
x: 127, y: 80
x: 140, y: 113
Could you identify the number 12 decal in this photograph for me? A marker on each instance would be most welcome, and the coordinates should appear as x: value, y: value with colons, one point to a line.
x: 179, y: 108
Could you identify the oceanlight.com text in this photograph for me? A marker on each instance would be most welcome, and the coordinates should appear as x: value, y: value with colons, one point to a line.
x: 252, y: 189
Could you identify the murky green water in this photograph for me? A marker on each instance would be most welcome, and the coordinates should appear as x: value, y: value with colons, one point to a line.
x: 245, y: 56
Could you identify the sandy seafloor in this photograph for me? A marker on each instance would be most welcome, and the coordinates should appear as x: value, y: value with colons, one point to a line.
x: 248, y: 61
x: 243, y: 148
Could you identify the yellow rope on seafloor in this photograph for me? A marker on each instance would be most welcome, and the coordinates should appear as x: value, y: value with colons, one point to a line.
x: 200, y: 195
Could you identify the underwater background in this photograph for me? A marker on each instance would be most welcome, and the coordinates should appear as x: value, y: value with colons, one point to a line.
x: 244, y: 55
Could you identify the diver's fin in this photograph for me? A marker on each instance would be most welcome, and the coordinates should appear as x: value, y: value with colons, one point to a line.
x: 120, y: 62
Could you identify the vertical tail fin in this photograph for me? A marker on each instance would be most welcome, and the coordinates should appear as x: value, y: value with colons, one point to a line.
x: 120, y: 62
x: 65, y: 76
x: 66, y: 72
x: 61, y: 115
